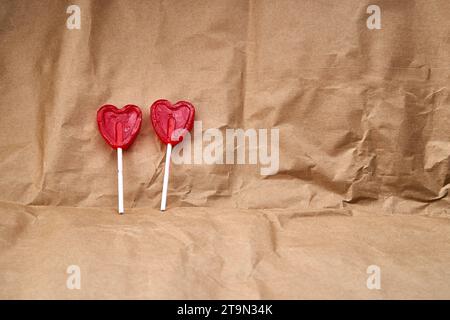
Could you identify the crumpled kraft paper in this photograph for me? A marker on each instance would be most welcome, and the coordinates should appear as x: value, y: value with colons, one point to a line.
x: 363, y: 131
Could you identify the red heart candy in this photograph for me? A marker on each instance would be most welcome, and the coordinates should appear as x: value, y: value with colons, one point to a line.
x: 119, y: 127
x: 171, y: 122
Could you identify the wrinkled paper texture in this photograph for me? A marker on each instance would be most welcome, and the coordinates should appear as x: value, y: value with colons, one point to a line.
x: 363, y: 119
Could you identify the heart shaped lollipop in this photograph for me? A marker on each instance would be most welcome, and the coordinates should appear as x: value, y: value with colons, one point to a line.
x: 119, y: 128
x: 171, y: 122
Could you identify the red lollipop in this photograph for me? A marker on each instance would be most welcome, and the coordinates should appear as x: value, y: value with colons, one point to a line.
x: 119, y: 128
x: 171, y: 122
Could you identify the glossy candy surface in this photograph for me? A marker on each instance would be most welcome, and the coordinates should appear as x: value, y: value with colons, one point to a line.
x: 119, y: 127
x: 171, y: 122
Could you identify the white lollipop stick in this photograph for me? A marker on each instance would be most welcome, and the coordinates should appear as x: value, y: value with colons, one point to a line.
x: 166, y: 177
x: 120, y: 180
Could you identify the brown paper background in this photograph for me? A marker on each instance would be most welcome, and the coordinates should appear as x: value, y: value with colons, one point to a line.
x: 364, y: 149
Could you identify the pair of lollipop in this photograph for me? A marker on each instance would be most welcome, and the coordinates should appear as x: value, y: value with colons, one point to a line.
x: 120, y: 127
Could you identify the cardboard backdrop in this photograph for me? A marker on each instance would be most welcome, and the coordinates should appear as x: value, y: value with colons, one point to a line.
x: 364, y: 149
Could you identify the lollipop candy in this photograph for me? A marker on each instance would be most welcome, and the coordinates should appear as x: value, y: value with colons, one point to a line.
x: 171, y: 122
x: 119, y: 128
